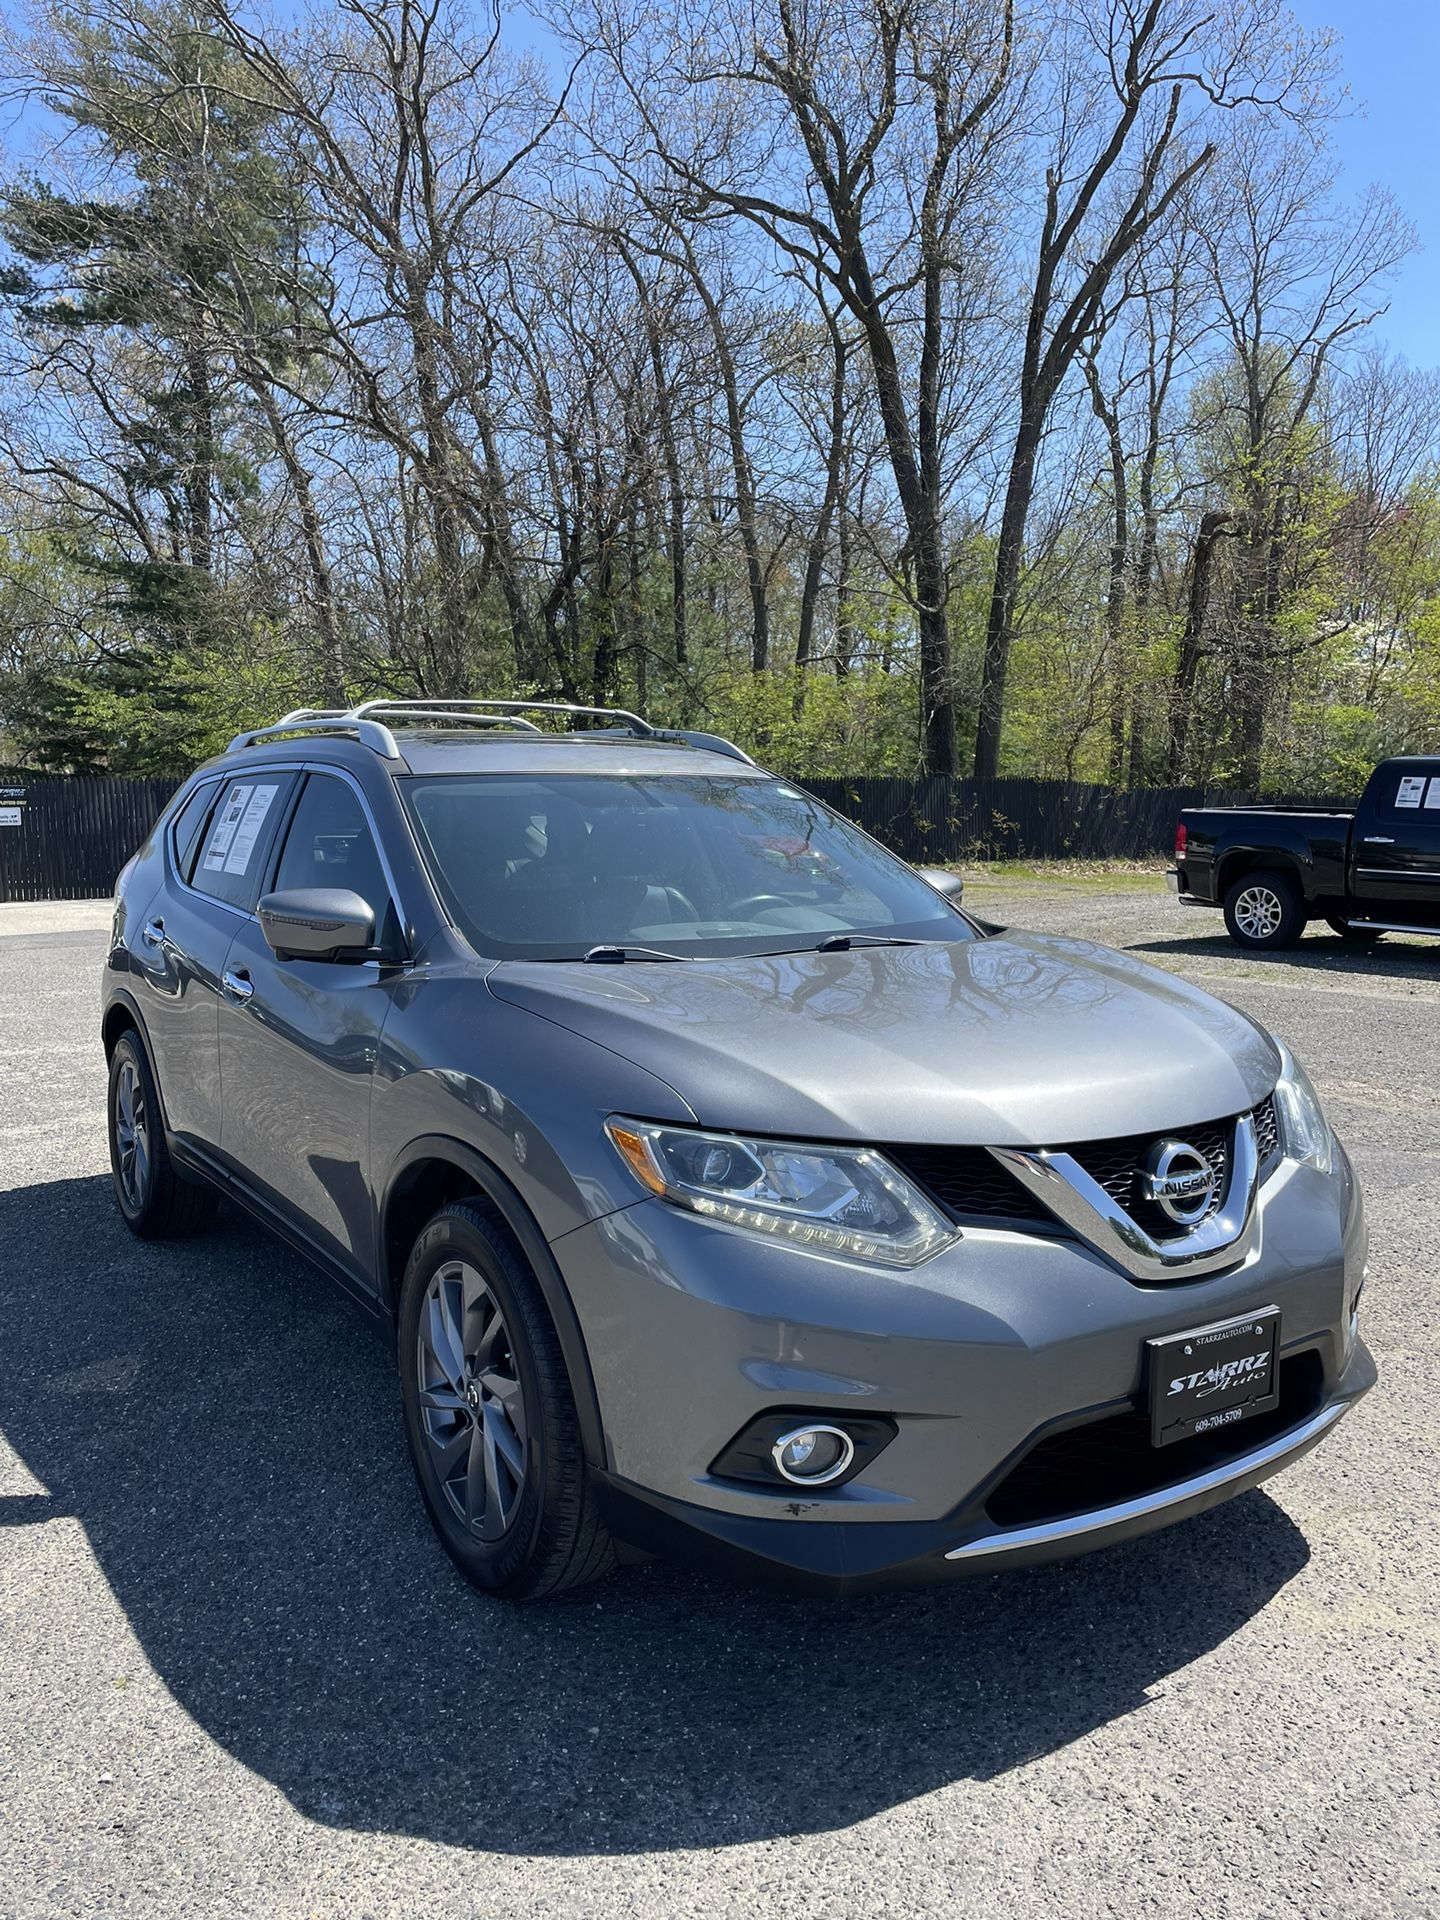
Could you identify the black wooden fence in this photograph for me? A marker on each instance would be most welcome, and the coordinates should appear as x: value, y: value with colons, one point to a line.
x: 66, y: 838
x: 76, y: 833
x: 939, y: 821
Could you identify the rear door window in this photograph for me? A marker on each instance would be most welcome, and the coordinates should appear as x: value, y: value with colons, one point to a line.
x: 237, y: 837
x: 1411, y: 795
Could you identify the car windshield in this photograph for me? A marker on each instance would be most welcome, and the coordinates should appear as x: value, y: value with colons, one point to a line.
x: 542, y: 868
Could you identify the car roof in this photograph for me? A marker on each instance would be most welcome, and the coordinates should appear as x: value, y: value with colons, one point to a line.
x: 435, y: 750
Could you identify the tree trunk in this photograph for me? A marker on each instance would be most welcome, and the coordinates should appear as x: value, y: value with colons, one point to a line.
x: 1115, y: 647
x: 200, y: 463
x: 844, y: 617
x: 820, y: 538
x: 744, y: 474
x: 322, y: 597
x: 1009, y: 557
x: 1202, y: 566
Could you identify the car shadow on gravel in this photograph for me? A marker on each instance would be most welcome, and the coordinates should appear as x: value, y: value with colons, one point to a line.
x: 226, y: 1428
x: 1321, y: 953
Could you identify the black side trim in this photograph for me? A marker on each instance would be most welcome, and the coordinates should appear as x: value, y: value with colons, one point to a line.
x: 280, y: 1223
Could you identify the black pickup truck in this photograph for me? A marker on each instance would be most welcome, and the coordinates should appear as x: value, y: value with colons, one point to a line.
x: 1373, y: 871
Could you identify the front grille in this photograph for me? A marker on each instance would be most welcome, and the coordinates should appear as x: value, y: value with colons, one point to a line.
x: 1267, y: 1132
x: 1116, y: 1165
x: 1111, y: 1460
x: 971, y: 1184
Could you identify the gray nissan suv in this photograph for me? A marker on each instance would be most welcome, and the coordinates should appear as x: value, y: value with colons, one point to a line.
x: 729, y: 1193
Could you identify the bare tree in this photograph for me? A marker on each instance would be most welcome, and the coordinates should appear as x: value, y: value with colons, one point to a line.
x: 861, y: 141
x: 1132, y: 86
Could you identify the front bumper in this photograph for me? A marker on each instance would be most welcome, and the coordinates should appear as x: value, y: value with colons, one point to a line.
x: 693, y: 1330
x: 837, y: 1557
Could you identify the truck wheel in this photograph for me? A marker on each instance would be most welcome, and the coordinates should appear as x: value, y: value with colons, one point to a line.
x: 1264, y: 910
x: 1347, y: 932
x: 490, y: 1415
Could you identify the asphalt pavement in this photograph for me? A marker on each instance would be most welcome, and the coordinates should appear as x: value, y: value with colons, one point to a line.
x: 238, y: 1676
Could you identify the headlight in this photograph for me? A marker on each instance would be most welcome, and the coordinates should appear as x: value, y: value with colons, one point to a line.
x: 847, y: 1200
x: 1303, y: 1127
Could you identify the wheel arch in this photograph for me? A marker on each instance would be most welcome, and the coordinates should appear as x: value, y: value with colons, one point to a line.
x: 435, y: 1170
x: 1239, y: 861
x: 121, y: 1013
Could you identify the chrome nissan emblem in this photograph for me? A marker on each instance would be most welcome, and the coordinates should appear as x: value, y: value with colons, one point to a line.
x: 1180, y: 1181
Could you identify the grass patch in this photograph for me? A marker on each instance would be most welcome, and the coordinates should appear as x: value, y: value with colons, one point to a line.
x: 1099, y: 876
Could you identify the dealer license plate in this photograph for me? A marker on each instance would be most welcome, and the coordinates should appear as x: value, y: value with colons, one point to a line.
x: 1213, y: 1376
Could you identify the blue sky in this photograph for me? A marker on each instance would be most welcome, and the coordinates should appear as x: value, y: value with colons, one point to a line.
x: 1389, y: 53
x: 1390, y: 58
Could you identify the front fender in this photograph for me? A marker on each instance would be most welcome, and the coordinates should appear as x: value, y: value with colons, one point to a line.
x: 487, y: 1179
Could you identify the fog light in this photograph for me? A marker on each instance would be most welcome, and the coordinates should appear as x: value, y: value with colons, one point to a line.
x: 811, y: 1456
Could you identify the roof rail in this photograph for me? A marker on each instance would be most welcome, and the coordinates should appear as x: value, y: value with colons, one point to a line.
x: 367, y: 722
x: 370, y: 733
x: 631, y: 721
x: 461, y: 711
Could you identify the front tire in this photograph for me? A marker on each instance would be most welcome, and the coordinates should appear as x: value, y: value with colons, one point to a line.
x: 156, y: 1201
x: 1264, y: 910
x: 490, y: 1416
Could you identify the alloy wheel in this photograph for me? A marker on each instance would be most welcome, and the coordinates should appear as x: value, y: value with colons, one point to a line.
x: 472, y: 1406
x: 132, y: 1136
x: 1258, y: 913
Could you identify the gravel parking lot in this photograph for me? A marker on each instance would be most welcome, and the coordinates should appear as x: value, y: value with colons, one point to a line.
x: 238, y: 1677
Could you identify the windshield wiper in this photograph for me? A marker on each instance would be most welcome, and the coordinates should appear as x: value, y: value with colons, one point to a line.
x: 842, y: 943
x: 613, y: 956
x: 839, y: 942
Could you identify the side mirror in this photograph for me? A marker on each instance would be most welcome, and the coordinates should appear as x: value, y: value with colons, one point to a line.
x: 943, y: 881
x: 317, y: 923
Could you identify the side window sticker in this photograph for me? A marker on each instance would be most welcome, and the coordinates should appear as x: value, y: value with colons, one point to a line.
x: 247, y: 830
x: 1432, y: 797
x: 1412, y: 790
x: 223, y: 832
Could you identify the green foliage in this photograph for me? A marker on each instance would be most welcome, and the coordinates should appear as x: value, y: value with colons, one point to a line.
x: 866, y: 723
x: 150, y: 710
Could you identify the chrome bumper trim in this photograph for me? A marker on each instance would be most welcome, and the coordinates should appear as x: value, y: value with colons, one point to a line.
x: 1052, y: 1531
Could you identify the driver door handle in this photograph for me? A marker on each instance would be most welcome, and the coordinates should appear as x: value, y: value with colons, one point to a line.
x: 153, y: 933
x: 1379, y: 840
x: 239, y: 986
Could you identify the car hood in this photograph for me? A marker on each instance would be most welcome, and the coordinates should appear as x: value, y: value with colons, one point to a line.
x: 1020, y: 1040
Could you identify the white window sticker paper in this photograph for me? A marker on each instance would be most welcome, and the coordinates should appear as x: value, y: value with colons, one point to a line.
x: 247, y: 832
x: 1432, y: 796
x: 223, y: 832
x: 1412, y: 790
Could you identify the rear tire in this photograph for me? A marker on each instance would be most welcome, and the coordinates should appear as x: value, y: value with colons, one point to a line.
x: 490, y: 1415
x: 1264, y: 910
x: 156, y: 1201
